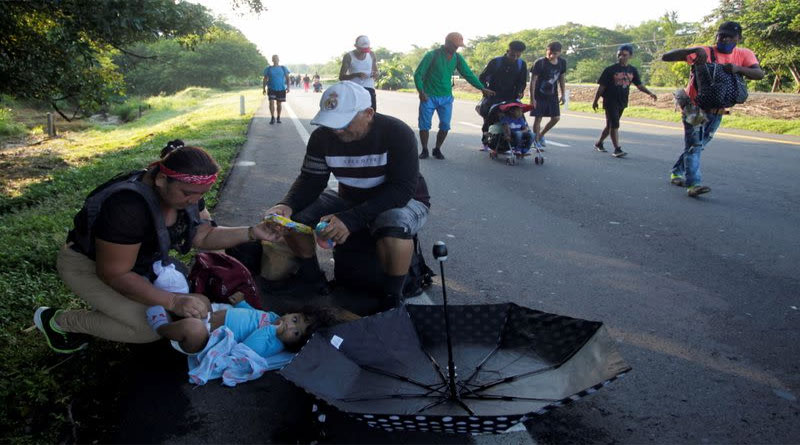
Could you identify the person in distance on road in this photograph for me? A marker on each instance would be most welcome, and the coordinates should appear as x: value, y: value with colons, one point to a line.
x: 361, y: 66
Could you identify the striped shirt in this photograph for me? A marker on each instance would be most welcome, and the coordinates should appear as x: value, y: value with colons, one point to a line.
x: 377, y: 173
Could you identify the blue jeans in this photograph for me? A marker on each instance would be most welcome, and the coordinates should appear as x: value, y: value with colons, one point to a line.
x: 522, y: 140
x: 443, y: 105
x: 695, y: 139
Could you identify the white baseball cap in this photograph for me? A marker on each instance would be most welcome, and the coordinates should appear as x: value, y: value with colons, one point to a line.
x: 340, y: 103
x: 362, y: 42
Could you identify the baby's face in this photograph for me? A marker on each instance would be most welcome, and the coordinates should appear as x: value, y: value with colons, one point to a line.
x: 291, y: 327
x: 516, y: 112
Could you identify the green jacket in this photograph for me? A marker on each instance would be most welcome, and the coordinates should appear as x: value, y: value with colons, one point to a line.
x: 433, y: 75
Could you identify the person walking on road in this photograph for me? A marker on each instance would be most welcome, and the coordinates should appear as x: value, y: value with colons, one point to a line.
x: 507, y: 76
x: 698, y: 131
x: 547, y: 76
x: 380, y: 188
x: 614, y: 85
x: 433, y: 79
x: 275, y: 85
x: 361, y: 66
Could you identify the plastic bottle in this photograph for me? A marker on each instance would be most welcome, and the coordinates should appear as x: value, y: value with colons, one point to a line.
x: 322, y: 242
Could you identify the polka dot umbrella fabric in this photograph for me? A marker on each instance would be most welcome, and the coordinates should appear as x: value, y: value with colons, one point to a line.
x: 390, y: 370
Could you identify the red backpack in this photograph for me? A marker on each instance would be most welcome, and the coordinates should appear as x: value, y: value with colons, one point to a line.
x: 218, y: 276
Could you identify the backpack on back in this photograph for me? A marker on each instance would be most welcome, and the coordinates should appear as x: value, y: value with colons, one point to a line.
x: 717, y: 88
x: 218, y: 276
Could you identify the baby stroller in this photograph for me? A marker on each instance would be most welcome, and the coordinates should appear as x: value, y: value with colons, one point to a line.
x: 317, y: 86
x: 499, y: 147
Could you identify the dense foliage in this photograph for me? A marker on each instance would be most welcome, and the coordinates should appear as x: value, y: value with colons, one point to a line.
x: 220, y: 57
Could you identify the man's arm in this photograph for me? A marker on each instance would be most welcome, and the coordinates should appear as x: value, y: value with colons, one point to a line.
x: 402, y: 172
x: 466, y: 73
x: 600, y: 90
x: 484, y: 76
x: 374, y: 66
x: 752, y: 72
x: 522, y: 80
x: 680, y: 55
x: 264, y: 84
x: 286, y: 78
x: 345, y: 66
x: 419, y: 75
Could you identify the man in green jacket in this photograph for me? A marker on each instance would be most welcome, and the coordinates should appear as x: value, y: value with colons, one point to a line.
x: 433, y: 79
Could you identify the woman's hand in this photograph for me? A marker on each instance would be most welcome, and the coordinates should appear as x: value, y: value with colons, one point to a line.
x: 190, y: 305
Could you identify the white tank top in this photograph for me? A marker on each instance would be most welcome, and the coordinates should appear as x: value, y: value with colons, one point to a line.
x: 361, y: 66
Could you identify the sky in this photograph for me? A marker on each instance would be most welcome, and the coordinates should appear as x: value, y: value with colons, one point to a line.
x: 314, y: 31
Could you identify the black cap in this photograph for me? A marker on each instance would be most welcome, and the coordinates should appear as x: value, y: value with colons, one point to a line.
x: 730, y: 29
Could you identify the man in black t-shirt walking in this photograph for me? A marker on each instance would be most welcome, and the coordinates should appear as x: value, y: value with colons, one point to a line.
x: 547, y: 75
x: 506, y: 76
x: 614, y: 85
x: 374, y: 158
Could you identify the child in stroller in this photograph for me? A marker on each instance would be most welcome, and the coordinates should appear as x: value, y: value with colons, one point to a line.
x: 509, y: 136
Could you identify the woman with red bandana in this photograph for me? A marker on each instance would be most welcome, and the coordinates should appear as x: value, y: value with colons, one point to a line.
x: 361, y: 67
x: 120, y: 242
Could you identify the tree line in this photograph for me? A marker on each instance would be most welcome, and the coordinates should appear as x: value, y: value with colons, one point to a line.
x: 81, y: 56
x: 771, y: 30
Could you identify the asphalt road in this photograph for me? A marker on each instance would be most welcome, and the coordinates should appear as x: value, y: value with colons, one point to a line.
x: 701, y: 294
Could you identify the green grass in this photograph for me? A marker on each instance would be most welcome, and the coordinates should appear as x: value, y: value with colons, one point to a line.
x: 39, y: 389
x: 9, y: 127
x: 762, y: 124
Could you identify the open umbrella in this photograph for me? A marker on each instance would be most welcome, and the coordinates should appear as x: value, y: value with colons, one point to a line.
x: 455, y: 369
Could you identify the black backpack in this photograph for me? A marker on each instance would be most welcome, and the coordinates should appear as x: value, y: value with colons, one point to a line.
x: 84, y: 220
x: 717, y: 88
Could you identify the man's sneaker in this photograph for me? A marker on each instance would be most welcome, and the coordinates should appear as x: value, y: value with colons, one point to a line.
x: 57, y: 339
x: 272, y: 121
x: 278, y: 120
x: 424, y: 154
x: 438, y: 154
x: 676, y: 180
x: 697, y: 190
x: 484, y: 148
x: 542, y: 142
x: 618, y: 153
x: 538, y: 144
x: 599, y: 147
x: 297, y: 287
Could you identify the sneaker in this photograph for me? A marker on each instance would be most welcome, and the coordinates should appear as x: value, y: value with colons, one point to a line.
x: 542, y: 142
x: 296, y: 287
x: 438, y: 154
x: 538, y: 144
x: 278, y: 120
x: 618, y: 153
x: 697, y: 190
x: 57, y: 339
x: 272, y: 121
x: 676, y: 180
x: 424, y: 154
x: 484, y: 148
x: 599, y: 147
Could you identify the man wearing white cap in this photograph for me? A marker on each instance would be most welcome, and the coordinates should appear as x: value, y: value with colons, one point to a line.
x: 374, y: 158
x: 361, y: 67
x: 433, y: 79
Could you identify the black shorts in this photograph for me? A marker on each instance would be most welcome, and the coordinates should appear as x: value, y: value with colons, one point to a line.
x: 280, y: 96
x: 612, y: 116
x: 546, y: 106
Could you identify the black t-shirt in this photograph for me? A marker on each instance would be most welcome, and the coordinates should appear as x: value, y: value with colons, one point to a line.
x: 547, y: 76
x: 125, y: 219
x: 378, y: 172
x: 617, y: 79
x: 506, y: 77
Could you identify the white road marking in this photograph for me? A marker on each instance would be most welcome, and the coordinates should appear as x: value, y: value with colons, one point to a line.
x: 470, y: 124
x: 333, y: 183
x: 557, y: 144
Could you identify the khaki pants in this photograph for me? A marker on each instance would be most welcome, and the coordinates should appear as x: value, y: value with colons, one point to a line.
x: 113, y: 317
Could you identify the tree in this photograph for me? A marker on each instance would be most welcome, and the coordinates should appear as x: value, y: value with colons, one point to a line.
x: 222, y: 53
x: 59, y: 51
x: 772, y: 31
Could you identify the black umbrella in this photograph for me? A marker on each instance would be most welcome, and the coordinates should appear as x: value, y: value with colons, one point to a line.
x: 456, y: 369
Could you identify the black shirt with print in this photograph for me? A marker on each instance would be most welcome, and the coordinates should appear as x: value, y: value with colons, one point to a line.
x: 617, y: 79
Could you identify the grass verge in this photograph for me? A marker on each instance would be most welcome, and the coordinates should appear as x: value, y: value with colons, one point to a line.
x: 54, y: 398
x: 762, y: 124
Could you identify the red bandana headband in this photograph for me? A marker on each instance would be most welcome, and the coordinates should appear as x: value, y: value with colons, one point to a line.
x: 185, y: 177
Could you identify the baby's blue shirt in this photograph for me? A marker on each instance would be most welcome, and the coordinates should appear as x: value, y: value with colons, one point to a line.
x: 254, y: 328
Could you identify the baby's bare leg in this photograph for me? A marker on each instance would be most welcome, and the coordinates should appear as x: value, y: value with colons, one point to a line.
x: 191, y: 333
x: 218, y: 319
